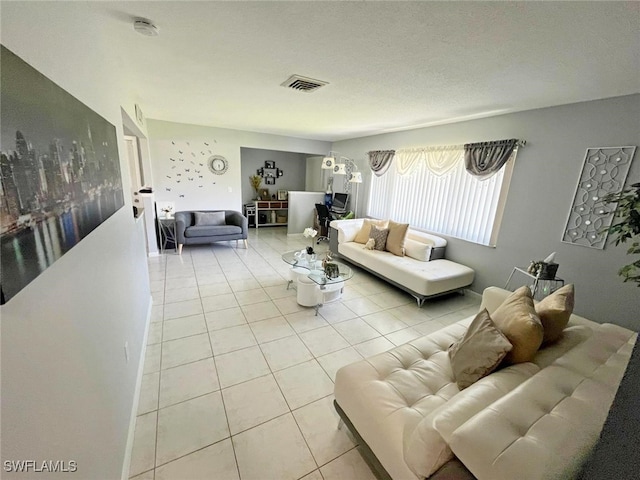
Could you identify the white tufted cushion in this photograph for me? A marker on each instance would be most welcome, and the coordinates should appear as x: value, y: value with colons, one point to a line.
x: 546, y: 427
x: 387, y: 395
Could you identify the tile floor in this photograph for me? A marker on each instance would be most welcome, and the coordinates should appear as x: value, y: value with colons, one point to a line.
x: 238, y: 378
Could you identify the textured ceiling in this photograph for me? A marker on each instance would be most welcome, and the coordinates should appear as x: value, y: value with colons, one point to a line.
x: 390, y: 65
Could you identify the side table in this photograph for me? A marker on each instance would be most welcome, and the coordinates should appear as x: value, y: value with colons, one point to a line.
x: 167, y: 229
x: 540, y: 286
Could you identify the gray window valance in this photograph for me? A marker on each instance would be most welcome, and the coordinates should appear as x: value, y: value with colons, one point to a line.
x: 380, y: 161
x: 483, y: 159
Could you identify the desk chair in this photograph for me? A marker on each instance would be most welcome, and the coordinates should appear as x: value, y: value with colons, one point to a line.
x: 324, y: 218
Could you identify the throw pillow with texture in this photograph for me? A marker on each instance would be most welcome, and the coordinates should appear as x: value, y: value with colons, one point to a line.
x: 210, y: 218
x: 370, y: 245
x: 396, y: 238
x: 418, y: 250
x: 479, y: 352
x: 554, y: 312
x: 517, y: 320
x: 365, y: 230
x: 379, y: 235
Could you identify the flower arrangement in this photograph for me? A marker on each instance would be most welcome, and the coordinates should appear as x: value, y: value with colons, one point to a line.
x: 310, y: 233
x: 256, y: 181
x: 167, y: 209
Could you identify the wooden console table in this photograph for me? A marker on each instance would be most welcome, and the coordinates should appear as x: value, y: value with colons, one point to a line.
x: 265, y: 207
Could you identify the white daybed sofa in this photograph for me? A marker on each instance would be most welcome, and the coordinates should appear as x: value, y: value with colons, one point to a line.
x: 531, y: 421
x: 423, y: 275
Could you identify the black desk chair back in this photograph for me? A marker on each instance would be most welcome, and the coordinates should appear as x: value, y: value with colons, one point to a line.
x: 324, y: 217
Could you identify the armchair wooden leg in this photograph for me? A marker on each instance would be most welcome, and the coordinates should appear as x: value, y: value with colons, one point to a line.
x: 246, y: 245
x: 179, y: 249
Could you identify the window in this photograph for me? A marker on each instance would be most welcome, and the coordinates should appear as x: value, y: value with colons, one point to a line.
x: 456, y: 204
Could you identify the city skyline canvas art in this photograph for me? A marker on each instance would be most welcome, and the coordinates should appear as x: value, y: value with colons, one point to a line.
x: 59, y: 173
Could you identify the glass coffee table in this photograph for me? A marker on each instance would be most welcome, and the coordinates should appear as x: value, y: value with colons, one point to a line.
x: 313, y: 287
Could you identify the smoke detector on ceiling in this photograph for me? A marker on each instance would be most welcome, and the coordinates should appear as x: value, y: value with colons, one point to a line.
x: 303, y: 84
x: 145, y: 27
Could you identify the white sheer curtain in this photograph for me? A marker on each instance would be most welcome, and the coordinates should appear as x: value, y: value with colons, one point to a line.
x: 438, y: 159
x: 455, y: 203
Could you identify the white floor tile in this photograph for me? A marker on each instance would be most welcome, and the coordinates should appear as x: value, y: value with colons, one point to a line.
x: 248, y: 297
x: 229, y: 317
x: 323, y: 340
x: 428, y: 327
x: 362, y: 306
x: 188, y: 426
x: 188, y: 381
x: 271, y: 329
x: 273, y: 450
x: 240, y: 366
x: 306, y: 320
x: 182, y: 309
x: 152, y: 358
x: 212, y: 290
x: 149, y: 393
x: 155, y: 333
x: 332, y: 362
x: 409, y: 314
x: 315, y: 475
x: 260, y: 311
x: 288, y: 304
x: 184, y: 327
x: 181, y: 294
x: 242, y: 284
x: 144, y: 444
x: 304, y: 383
x: 215, y: 462
x: 252, y: 403
x: 279, y: 290
x: 392, y: 299
x: 285, y: 352
x: 232, y: 338
x: 185, y: 350
x: 219, y: 302
x: 171, y: 283
x: 384, y: 322
x: 318, y: 422
x: 351, y: 465
x: 356, y: 330
x: 403, y: 336
x: 157, y: 313
x: 373, y: 347
x: 336, y: 312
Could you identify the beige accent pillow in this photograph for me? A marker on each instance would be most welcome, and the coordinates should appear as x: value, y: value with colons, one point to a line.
x: 396, y: 238
x: 365, y: 230
x: 479, y: 352
x: 210, y: 218
x: 418, y: 250
x: 554, y: 312
x: 517, y: 320
x: 379, y: 235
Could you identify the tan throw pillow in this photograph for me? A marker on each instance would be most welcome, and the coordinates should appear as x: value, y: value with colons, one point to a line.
x: 395, y: 240
x: 479, y: 352
x: 365, y: 230
x: 517, y: 320
x: 554, y: 312
x: 379, y: 235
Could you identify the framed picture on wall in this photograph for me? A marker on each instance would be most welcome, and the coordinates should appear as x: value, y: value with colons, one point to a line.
x: 264, y: 194
x: 269, y: 164
x: 282, y: 194
x: 270, y: 180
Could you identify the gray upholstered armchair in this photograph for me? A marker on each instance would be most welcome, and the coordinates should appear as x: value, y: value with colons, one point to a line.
x: 206, y: 229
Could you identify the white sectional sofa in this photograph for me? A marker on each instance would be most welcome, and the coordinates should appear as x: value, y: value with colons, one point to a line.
x: 529, y: 421
x: 423, y: 272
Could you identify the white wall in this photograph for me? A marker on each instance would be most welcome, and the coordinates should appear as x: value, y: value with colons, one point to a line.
x: 542, y: 189
x: 167, y: 139
x: 67, y: 391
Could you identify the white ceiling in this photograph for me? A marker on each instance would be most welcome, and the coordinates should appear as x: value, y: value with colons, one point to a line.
x: 390, y: 65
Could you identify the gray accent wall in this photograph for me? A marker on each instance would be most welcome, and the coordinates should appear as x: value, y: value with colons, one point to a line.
x: 540, y: 195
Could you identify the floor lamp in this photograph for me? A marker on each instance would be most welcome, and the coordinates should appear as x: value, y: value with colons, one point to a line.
x: 356, y: 177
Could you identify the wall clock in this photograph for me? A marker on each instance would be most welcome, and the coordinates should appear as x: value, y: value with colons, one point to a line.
x: 218, y: 164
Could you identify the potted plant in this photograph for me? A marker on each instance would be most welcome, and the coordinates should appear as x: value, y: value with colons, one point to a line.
x: 628, y: 228
x: 256, y: 181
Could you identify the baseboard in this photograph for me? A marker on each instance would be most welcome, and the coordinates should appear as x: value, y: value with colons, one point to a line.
x: 470, y: 293
x: 126, y: 463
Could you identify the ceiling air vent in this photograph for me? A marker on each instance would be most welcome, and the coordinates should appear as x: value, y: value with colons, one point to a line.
x: 303, y: 84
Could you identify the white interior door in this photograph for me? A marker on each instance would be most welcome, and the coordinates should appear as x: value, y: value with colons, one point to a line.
x: 314, y: 180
